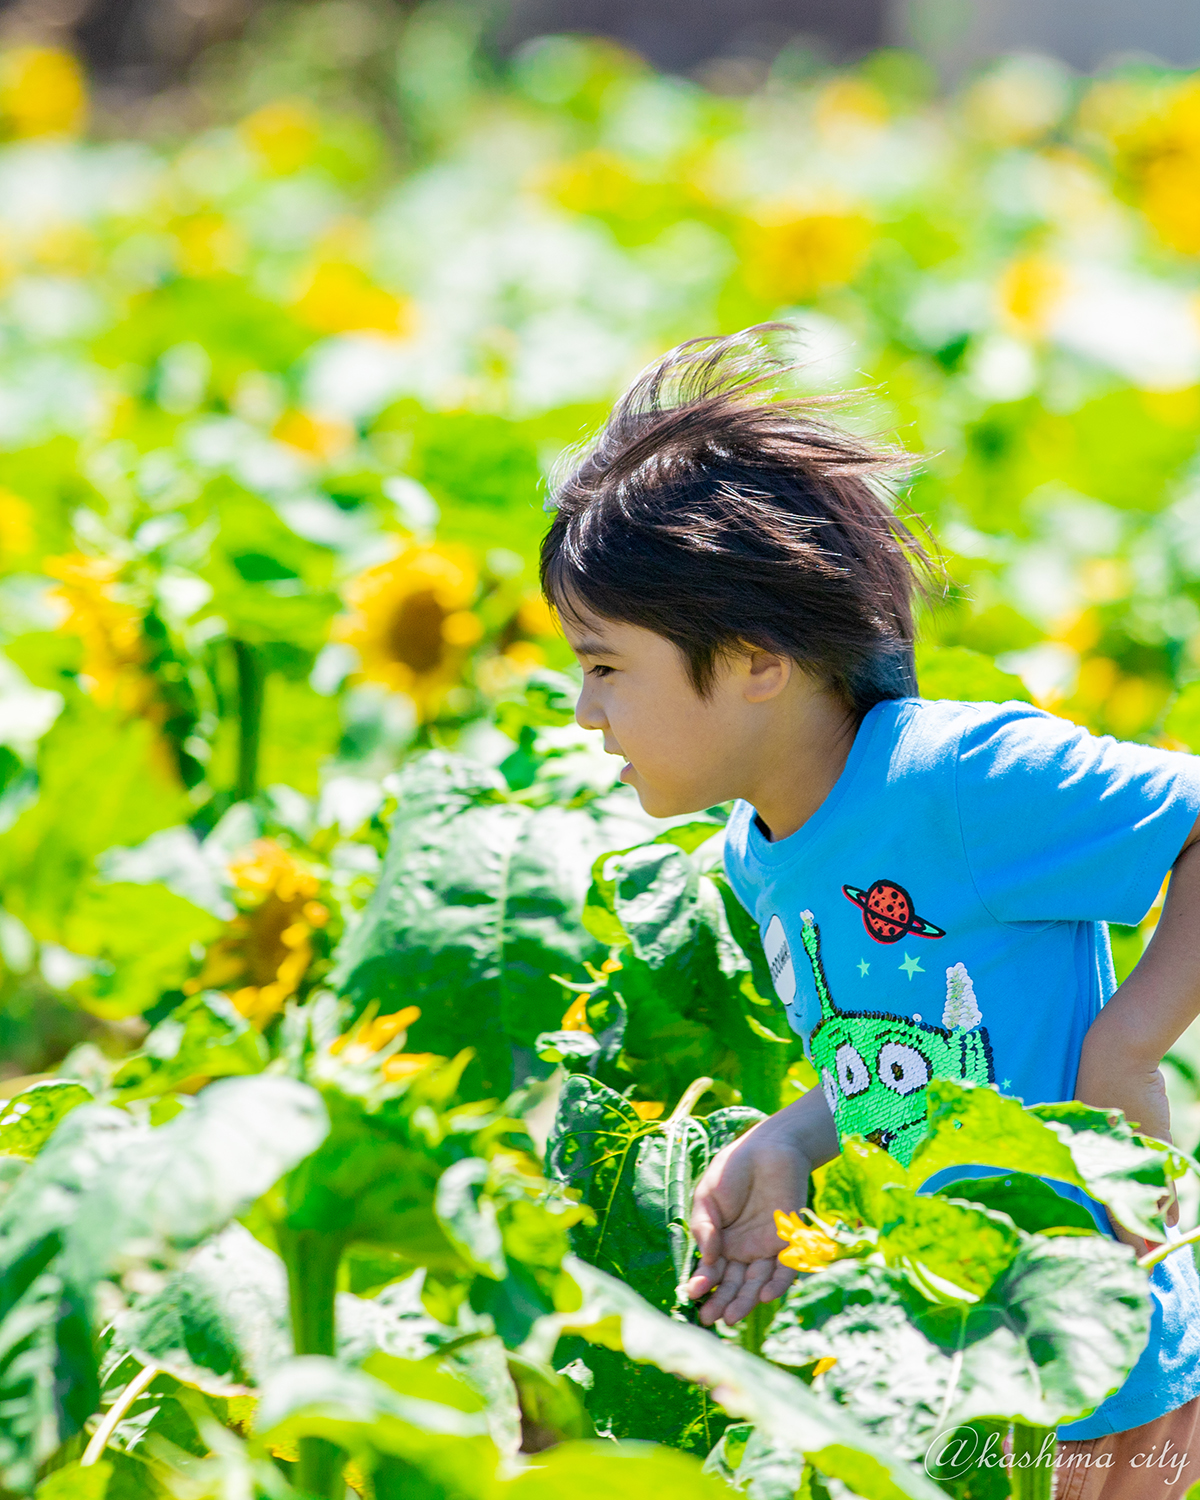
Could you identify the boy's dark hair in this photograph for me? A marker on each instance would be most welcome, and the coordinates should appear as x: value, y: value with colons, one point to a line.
x: 720, y: 515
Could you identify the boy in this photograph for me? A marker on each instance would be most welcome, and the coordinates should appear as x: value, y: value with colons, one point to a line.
x: 739, y: 596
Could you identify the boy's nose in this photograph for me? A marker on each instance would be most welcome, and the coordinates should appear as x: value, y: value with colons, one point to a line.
x: 588, y: 714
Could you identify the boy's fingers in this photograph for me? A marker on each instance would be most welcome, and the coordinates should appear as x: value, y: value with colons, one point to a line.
x: 723, y: 1295
x: 781, y: 1278
x: 706, y: 1231
x: 758, y: 1273
x: 705, y: 1278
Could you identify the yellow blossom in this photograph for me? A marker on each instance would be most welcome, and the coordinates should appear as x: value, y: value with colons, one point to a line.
x: 339, y: 297
x: 208, y: 244
x: 405, y: 1064
x: 377, y: 1031
x: 261, y: 959
x: 322, y: 437
x: 109, y: 628
x: 411, y: 622
x: 1029, y: 288
x: 791, y: 256
x: 16, y: 526
x: 42, y: 92
x: 575, y: 1018
x: 809, y: 1248
x: 648, y: 1109
x: 284, y: 134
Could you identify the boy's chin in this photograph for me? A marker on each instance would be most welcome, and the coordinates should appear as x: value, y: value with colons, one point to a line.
x: 661, y: 804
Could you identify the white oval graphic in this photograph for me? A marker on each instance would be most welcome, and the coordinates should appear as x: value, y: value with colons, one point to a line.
x: 903, y: 1069
x: 830, y: 1090
x: 852, y: 1075
x: 779, y: 960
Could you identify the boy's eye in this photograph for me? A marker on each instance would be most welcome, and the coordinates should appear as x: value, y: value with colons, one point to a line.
x: 599, y: 671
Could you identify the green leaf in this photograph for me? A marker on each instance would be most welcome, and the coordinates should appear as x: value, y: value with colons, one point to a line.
x: 602, y: 1471
x: 1070, y: 1143
x: 468, y: 1217
x: 144, y: 937
x: 219, y: 1324
x: 636, y: 1179
x: 1056, y: 1332
x: 74, y: 1482
x: 1183, y: 717
x: 101, y: 782
x: 477, y: 906
x: 205, y: 1037
x: 390, y: 1433
x: 174, y: 1186
x: 783, y: 1408
x: 29, y: 1119
x: 966, y: 676
x: 749, y: 1462
x: 852, y: 1187
x: 1030, y: 1203
x: 966, y: 1246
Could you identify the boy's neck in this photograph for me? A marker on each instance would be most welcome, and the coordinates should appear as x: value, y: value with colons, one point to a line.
x: 799, y: 762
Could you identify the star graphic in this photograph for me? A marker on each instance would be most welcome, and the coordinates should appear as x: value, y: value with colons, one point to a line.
x: 912, y: 965
x: 864, y: 968
x: 1007, y: 1084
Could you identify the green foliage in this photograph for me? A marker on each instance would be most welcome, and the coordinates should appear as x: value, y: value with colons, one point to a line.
x: 473, y: 912
x: 691, y: 996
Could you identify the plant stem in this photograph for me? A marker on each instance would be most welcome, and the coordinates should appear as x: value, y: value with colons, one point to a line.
x: 250, y: 683
x: 1033, y: 1479
x: 99, y: 1439
x: 312, y: 1261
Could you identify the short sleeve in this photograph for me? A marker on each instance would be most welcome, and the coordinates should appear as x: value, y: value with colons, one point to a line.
x: 1062, y: 825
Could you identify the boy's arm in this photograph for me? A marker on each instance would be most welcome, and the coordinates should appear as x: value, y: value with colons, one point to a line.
x: 1160, y: 999
x: 733, y: 1212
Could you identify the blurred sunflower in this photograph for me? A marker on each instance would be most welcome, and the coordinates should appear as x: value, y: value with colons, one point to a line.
x: 790, y: 256
x: 412, y: 624
x: 284, y: 135
x: 42, y: 92
x: 16, y: 527
x: 374, y: 1033
x: 809, y: 1248
x: 1161, y: 153
x: 110, y: 629
x: 264, y: 954
x: 339, y: 297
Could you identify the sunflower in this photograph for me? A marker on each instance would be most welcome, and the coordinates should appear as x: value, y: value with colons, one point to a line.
x: 114, y: 648
x: 412, y: 624
x: 263, y: 956
x: 809, y: 1248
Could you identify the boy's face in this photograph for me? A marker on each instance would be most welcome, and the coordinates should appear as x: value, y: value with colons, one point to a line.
x: 682, y: 752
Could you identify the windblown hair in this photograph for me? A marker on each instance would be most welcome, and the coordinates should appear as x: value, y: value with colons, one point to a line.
x: 723, y: 515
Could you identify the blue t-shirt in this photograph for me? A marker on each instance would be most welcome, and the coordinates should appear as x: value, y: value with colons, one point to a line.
x: 943, y: 913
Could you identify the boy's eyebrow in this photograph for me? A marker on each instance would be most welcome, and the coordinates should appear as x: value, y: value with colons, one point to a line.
x: 592, y: 646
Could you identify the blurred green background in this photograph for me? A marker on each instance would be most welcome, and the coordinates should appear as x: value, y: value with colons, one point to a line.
x: 292, y: 333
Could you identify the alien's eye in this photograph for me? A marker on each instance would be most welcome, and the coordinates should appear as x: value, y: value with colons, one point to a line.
x: 903, y: 1069
x: 829, y: 1089
x: 852, y: 1072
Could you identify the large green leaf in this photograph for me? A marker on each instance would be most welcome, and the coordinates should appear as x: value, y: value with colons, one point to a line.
x: 604, y: 1471
x: 101, y: 783
x: 783, y: 1408
x: 1056, y: 1332
x: 204, y: 1037
x: 477, y: 906
x: 1032, y: 1205
x: 176, y: 1185
x: 693, y: 978
x: 1088, y: 1148
x: 398, y: 1437
x: 749, y: 1462
x: 29, y: 1118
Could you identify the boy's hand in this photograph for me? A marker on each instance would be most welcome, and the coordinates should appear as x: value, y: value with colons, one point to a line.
x: 733, y: 1212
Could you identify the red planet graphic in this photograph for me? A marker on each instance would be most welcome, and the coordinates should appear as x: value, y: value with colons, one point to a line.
x: 888, y: 913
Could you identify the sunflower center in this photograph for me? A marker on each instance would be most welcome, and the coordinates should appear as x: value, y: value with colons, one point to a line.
x: 414, y: 633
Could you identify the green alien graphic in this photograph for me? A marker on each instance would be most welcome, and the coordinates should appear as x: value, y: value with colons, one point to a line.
x: 874, y: 1067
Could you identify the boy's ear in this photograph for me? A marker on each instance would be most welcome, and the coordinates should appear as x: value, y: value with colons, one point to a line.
x: 766, y: 674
